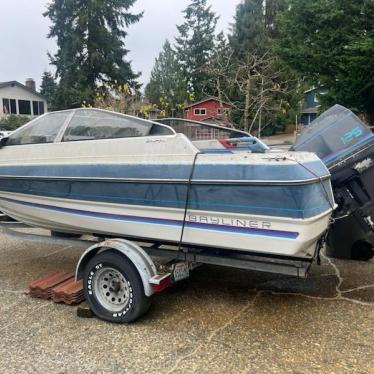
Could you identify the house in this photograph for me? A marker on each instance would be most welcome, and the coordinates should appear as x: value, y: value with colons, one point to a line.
x: 310, y: 105
x: 16, y: 98
x: 208, y: 110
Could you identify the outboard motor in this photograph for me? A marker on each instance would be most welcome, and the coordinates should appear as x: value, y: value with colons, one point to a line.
x: 343, y: 142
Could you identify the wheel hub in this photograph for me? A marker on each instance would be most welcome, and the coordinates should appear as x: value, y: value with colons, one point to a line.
x: 112, y: 289
x: 115, y: 286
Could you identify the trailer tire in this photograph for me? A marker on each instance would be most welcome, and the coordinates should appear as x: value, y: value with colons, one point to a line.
x: 113, y: 288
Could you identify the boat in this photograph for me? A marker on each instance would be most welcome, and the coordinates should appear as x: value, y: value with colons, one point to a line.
x: 91, y: 171
x: 346, y: 145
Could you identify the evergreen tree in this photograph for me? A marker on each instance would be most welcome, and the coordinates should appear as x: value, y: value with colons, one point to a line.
x: 255, y: 25
x: 166, y: 87
x: 272, y: 10
x: 219, y: 68
x: 195, y: 44
x: 332, y: 44
x: 265, y: 87
x: 48, y: 89
x: 90, y: 39
x: 248, y: 31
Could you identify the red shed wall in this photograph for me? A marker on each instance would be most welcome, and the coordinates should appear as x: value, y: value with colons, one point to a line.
x: 211, y: 107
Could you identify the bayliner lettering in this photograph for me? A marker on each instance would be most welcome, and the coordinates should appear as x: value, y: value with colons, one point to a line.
x: 235, y: 222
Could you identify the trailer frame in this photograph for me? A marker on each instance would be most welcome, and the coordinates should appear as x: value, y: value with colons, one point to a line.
x: 158, y: 264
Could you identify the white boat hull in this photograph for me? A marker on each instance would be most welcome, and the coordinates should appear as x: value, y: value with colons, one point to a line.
x: 138, y: 187
x: 262, y: 234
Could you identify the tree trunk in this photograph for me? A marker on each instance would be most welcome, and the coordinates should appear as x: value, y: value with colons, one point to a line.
x: 260, y: 114
x: 219, y: 93
x: 247, y: 105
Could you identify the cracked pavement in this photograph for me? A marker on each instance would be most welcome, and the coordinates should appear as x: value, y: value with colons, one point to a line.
x: 220, y: 320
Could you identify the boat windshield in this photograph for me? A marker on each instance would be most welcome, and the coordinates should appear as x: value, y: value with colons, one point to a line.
x: 94, y: 124
x: 84, y: 124
x: 196, y: 131
x: 43, y: 129
x: 209, y: 137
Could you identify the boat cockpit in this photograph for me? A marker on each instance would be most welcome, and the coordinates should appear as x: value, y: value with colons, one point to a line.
x: 94, y: 124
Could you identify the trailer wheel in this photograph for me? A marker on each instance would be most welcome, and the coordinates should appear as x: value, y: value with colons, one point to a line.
x: 114, y: 289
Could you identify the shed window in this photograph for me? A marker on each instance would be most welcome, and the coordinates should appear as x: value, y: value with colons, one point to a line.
x: 200, y: 111
x: 24, y: 107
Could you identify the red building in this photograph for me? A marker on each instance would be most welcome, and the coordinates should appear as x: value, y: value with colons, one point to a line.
x: 208, y: 110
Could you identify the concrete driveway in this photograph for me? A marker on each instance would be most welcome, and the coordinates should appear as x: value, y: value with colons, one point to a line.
x: 219, y: 321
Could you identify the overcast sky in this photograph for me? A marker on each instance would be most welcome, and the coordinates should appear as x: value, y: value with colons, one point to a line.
x: 24, y: 45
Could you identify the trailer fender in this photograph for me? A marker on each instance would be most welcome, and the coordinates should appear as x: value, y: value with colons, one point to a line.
x: 139, y: 258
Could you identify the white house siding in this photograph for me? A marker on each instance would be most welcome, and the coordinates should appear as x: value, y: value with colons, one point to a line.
x: 19, y: 93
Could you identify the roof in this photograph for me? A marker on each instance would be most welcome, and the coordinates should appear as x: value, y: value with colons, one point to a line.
x: 205, y: 100
x: 15, y: 83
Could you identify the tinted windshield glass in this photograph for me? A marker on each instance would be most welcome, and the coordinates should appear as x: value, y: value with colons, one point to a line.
x: 88, y: 124
x: 200, y: 131
x: 41, y: 130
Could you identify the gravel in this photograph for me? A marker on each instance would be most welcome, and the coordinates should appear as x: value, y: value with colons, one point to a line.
x: 219, y: 321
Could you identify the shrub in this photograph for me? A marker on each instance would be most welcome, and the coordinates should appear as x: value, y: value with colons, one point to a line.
x: 13, y: 121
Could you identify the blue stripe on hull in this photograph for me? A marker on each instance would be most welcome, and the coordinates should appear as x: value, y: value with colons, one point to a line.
x: 165, y: 222
x: 271, y: 171
x: 293, y: 201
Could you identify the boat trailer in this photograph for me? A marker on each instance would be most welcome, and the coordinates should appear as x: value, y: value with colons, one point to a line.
x: 120, y: 276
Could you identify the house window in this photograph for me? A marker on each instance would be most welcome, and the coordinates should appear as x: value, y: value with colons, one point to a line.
x: 9, y: 106
x: 6, y: 106
x: 200, y: 112
x: 35, y: 108
x: 204, y: 133
x: 24, y: 107
x: 41, y: 107
x: 13, y: 106
x: 38, y: 108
